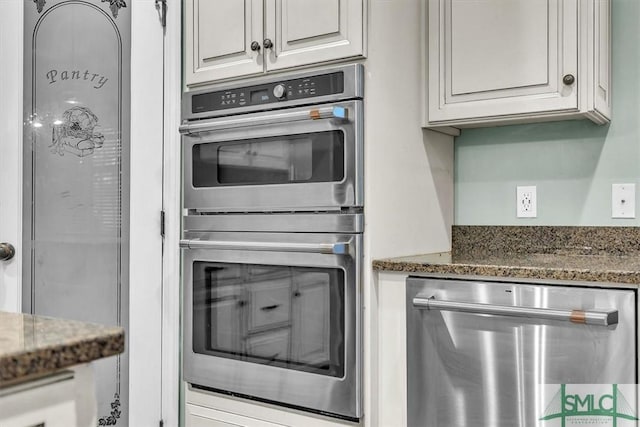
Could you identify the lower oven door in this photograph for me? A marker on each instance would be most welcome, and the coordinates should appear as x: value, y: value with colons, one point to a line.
x: 275, y: 317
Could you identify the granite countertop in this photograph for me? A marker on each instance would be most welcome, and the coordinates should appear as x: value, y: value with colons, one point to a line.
x: 584, y: 254
x: 584, y: 268
x: 35, y: 346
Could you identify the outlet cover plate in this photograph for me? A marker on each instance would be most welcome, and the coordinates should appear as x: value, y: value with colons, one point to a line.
x: 623, y: 200
x: 526, y: 202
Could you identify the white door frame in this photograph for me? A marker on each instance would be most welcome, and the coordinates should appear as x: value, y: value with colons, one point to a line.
x: 153, y: 337
x: 11, y: 52
x: 145, y: 248
x: 171, y: 343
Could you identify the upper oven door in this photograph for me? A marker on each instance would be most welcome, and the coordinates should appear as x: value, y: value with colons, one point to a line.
x: 275, y: 316
x: 300, y: 159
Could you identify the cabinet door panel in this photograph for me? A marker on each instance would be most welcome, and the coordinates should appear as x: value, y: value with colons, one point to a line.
x: 512, y: 52
x: 310, y: 31
x: 492, y: 58
x: 311, y: 322
x: 50, y: 402
x: 223, y: 20
x: 271, y: 344
x: 270, y: 304
x: 326, y: 22
x: 218, y: 39
x: 226, y: 315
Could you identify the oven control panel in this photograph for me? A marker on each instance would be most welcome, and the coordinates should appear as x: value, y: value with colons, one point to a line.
x: 276, y: 92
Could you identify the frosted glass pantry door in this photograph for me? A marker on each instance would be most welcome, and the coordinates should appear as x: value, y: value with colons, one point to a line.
x: 81, y: 173
x: 76, y: 167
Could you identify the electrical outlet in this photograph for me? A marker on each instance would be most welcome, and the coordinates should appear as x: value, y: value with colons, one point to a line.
x: 526, y: 202
x: 623, y: 200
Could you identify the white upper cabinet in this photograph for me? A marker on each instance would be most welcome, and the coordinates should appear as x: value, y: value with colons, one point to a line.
x: 309, y: 31
x: 226, y: 39
x: 506, y: 61
x: 219, y: 36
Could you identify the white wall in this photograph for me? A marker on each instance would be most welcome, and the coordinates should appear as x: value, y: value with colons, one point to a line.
x: 572, y: 163
x: 408, y: 173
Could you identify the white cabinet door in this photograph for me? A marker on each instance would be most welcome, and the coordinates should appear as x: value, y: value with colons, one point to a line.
x: 226, y: 313
x: 311, y: 319
x: 501, y: 57
x: 49, y: 401
x: 218, y: 36
x: 269, y: 304
x: 503, y: 61
x: 311, y: 31
x: 273, y: 344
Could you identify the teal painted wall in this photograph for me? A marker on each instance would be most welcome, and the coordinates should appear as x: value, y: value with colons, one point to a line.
x: 572, y: 163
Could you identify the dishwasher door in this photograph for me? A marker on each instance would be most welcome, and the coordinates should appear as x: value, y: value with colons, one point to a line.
x: 490, y: 354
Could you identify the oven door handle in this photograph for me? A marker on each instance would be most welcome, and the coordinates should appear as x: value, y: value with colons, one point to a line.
x: 338, y: 248
x: 334, y: 112
x: 599, y: 318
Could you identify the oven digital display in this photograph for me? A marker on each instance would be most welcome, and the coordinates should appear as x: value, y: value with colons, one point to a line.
x: 258, y: 96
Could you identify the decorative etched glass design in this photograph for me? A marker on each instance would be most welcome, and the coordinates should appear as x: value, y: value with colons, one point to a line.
x: 76, y: 193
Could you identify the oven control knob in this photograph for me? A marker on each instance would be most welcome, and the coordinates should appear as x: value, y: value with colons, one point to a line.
x: 279, y: 91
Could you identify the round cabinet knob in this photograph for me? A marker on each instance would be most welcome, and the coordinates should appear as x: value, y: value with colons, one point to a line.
x: 255, y: 46
x: 268, y: 44
x: 7, y: 251
x: 569, y: 79
x: 279, y: 91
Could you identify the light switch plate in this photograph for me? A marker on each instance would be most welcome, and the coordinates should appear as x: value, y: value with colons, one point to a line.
x: 623, y: 200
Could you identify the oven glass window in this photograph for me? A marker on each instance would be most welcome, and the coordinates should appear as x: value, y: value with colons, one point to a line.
x: 310, y: 157
x: 289, y: 317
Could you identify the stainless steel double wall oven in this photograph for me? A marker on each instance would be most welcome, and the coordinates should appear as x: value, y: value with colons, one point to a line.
x: 272, y: 239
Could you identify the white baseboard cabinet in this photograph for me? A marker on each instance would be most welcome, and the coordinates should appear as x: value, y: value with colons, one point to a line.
x: 63, y: 399
x: 208, y: 409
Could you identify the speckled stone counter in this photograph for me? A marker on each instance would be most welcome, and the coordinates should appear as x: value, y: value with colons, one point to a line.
x: 34, y: 346
x: 584, y: 254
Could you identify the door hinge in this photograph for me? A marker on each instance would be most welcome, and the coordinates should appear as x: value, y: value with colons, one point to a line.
x: 162, y: 223
x: 161, y: 5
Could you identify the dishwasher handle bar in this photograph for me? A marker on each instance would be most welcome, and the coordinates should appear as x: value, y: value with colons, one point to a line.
x: 338, y: 248
x: 599, y: 318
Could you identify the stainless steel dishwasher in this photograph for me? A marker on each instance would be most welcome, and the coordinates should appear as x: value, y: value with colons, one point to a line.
x: 495, y: 354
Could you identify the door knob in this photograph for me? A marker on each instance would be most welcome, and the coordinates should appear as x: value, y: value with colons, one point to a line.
x: 569, y: 79
x: 268, y: 44
x: 7, y: 251
x: 255, y: 46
